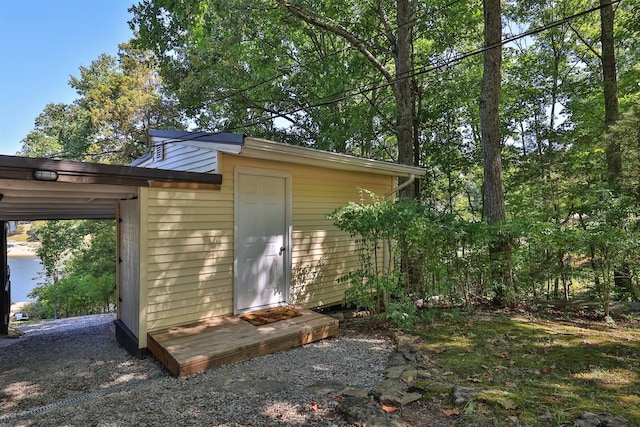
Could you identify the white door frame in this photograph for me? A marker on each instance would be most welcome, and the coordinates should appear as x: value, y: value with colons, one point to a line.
x: 288, y: 208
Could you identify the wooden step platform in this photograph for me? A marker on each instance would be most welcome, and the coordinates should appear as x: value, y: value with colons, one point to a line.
x: 192, y: 348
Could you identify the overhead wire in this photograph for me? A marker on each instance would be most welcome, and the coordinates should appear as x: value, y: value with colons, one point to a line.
x: 285, y: 73
x: 342, y: 96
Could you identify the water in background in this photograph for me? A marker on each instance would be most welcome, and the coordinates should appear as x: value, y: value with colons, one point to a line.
x: 25, y: 274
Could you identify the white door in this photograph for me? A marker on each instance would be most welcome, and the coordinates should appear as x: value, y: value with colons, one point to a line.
x: 261, y: 241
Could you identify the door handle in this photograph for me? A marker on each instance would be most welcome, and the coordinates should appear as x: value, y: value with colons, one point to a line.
x: 282, y: 248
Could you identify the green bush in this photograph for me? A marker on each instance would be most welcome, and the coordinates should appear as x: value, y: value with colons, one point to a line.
x: 441, y: 257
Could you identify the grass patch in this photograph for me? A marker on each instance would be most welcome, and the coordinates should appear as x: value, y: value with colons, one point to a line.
x: 533, y: 371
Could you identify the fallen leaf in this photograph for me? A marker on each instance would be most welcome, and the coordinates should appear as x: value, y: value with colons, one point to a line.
x: 508, y: 404
x: 510, y: 384
x: 513, y: 419
x: 503, y: 355
x: 484, y: 366
x: 470, y: 324
x: 313, y: 406
x: 545, y: 369
x: 473, y: 379
x: 451, y: 412
x: 389, y: 409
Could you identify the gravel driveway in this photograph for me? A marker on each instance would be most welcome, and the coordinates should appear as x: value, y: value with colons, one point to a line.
x: 71, y: 372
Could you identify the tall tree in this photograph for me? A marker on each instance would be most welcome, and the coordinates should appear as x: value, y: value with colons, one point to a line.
x: 494, y: 203
x: 610, y: 88
x: 61, y: 131
x: 399, y: 34
x: 123, y: 98
x: 347, y: 57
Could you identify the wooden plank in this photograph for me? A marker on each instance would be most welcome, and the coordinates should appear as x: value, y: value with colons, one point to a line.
x: 260, y: 348
x: 192, y: 352
x: 194, y: 347
x: 163, y: 355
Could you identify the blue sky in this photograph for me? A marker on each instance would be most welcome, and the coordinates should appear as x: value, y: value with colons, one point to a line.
x: 42, y: 43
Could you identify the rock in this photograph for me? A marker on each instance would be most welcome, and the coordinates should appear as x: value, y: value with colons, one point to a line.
x: 396, y: 359
x: 603, y: 419
x: 409, y: 376
x: 424, y: 374
x: 394, y: 393
x: 409, y: 356
x: 461, y: 396
x: 547, y: 416
x: 365, y: 412
x: 406, y: 343
x: 395, y: 372
x: 356, y: 392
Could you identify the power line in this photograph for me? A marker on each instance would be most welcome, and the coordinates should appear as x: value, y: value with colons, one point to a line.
x: 288, y: 68
x: 342, y: 96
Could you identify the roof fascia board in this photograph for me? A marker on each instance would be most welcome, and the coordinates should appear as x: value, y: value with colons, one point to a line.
x: 269, y: 150
x: 23, y: 167
x: 169, y: 136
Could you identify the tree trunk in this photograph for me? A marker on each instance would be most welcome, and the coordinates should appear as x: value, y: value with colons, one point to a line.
x: 402, y: 82
x: 622, y: 274
x: 405, y: 100
x: 610, y: 86
x: 494, y: 204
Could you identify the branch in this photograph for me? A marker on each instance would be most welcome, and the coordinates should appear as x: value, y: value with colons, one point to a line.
x: 387, y: 27
x: 585, y: 42
x: 340, y: 31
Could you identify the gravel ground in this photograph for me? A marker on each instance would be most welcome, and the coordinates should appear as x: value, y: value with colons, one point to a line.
x: 71, y: 372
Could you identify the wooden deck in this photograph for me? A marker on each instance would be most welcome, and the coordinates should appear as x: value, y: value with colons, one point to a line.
x: 192, y: 348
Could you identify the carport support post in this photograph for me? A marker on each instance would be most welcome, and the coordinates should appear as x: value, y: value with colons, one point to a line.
x: 5, y: 288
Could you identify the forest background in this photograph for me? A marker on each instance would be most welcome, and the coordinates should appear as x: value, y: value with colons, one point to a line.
x: 553, y: 214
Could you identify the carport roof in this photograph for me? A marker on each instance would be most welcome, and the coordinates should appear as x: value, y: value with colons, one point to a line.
x: 80, y: 190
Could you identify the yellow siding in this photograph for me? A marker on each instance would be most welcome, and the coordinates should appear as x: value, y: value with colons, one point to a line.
x: 190, y: 255
x: 189, y: 273
x: 320, y: 252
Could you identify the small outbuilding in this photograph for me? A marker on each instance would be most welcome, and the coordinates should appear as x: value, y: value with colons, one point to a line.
x: 211, y: 227
x: 259, y: 239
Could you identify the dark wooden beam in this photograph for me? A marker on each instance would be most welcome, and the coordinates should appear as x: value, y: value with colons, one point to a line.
x: 23, y: 168
x: 5, y: 288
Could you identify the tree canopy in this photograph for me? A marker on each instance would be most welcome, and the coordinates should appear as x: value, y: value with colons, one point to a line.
x: 401, y: 81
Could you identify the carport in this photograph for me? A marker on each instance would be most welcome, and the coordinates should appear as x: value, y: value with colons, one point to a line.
x: 46, y: 189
